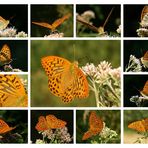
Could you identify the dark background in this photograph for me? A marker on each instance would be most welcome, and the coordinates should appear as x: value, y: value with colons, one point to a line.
x: 19, y: 14
x: 48, y: 14
x: 101, y: 13
x: 19, y: 53
x: 65, y: 115
x: 133, y: 83
x: 134, y: 47
x: 18, y: 118
x: 132, y: 14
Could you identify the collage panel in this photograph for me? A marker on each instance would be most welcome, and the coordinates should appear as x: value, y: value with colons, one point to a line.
x: 13, y: 90
x: 13, y: 126
x: 98, y: 126
x: 51, y: 126
x: 98, y: 20
x: 135, y: 126
x: 135, y: 90
x: 75, y: 73
x: 14, y: 56
x: 52, y: 21
x: 135, y: 20
x: 14, y: 21
x: 135, y: 56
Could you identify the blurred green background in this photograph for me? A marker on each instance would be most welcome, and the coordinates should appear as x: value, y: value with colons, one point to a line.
x: 110, y: 117
x: 65, y: 115
x: 130, y: 116
x: 18, y: 118
x: 92, y: 51
x: 101, y: 13
x: 48, y: 14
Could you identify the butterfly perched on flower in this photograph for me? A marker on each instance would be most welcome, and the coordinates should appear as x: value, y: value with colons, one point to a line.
x: 5, y: 55
x: 49, y: 122
x: 140, y: 125
x: 4, y: 127
x: 95, y: 126
x: 99, y: 30
x: 12, y: 92
x: 3, y: 23
x: 55, y: 24
x: 65, y: 79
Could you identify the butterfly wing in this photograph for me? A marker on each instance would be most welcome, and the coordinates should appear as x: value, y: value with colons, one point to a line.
x: 60, y: 20
x: 3, y: 23
x: 93, y: 28
x: 5, y: 55
x: 144, y: 92
x: 4, y: 127
x: 87, y: 135
x: 12, y: 91
x: 54, y: 122
x: 138, y: 126
x: 145, y: 123
x: 144, y: 60
x: 42, y: 124
x: 55, y: 67
x: 144, y: 12
x: 43, y: 24
x: 96, y: 123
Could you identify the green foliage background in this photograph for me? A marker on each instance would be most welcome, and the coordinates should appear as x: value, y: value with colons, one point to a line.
x: 110, y: 117
x: 92, y: 51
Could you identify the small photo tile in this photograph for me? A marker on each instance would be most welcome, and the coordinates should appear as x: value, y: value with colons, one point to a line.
x: 98, y: 126
x: 51, y: 126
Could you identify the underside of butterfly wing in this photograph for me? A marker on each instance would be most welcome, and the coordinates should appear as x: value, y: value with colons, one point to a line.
x: 144, y: 92
x: 54, y: 122
x: 144, y: 12
x: 3, y: 23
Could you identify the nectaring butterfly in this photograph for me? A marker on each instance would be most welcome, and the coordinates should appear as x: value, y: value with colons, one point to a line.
x: 55, y: 24
x: 12, y: 92
x: 3, y: 23
x: 5, y: 55
x: 4, y: 127
x: 95, y: 124
x: 144, y: 60
x: 144, y: 12
x: 140, y: 126
x: 50, y: 122
x: 144, y: 91
x: 65, y: 79
x: 99, y: 30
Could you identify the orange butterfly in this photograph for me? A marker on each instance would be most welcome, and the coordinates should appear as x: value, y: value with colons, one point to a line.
x: 144, y: 92
x: 140, y: 126
x: 144, y: 12
x: 65, y: 79
x: 4, y: 127
x: 99, y: 30
x: 3, y: 23
x: 55, y: 24
x: 50, y: 122
x: 5, y: 55
x: 144, y: 60
x: 96, y: 126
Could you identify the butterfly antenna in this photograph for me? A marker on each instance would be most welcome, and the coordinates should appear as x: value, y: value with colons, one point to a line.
x: 108, y: 17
